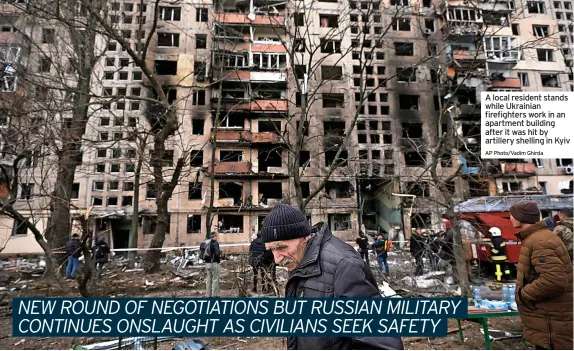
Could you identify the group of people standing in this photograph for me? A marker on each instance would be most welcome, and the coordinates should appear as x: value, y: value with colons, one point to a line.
x: 100, y: 254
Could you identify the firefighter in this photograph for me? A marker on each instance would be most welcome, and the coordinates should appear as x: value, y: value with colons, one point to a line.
x: 498, y: 254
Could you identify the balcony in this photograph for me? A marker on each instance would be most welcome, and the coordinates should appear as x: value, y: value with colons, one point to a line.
x: 8, y: 10
x: 466, y: 58
x: 11, y: 38
x: 262, y: 106
x: 241, y: 18
x: 502, y: 52
x: 508, y: 83
x: 245, y: 136
x: 232, y: 168
x: 518, y: 169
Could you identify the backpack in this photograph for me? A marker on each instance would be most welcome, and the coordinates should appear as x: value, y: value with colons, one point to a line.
x: 205, y: 252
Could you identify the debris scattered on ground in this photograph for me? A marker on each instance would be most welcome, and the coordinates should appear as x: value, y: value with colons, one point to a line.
x: 496, y: 335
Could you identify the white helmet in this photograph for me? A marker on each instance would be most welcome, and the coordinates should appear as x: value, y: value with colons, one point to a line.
x: 495, y: 231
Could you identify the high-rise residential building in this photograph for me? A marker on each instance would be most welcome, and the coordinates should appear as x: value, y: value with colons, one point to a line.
x: 401, y: 75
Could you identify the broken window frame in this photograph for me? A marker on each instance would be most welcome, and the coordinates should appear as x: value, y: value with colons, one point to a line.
x: 173, y: 39
x: 236, y: 60
x: 269, y: 61
x: 192, y: 226
x: 501, y: 48
x: 462, y: 15
x: 404, y: 48
x: 547, y: 55
x: 170, y: 13
x: 537, y: 6
x: 550, y: 76
x: 540, y: 31
x: 229, y: 230
x: 340, y: 222
x: 401, y: 25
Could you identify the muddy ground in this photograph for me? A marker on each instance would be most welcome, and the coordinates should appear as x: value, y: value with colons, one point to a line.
x: 118, y: 282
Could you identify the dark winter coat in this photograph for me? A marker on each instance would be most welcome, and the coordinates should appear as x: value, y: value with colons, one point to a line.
x: 544, y: 288
x: 73, y: 248
x: 363, y: 243
x: 104, y: 248
x: 257, y: 253
x: 417, y: 245
x: 332, y: 268
x: 215, y: 252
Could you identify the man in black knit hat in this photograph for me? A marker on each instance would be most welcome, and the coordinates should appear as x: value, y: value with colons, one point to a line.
x: 320, y: 265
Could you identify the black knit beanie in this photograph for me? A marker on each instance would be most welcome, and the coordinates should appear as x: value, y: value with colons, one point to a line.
x: 284, y: 222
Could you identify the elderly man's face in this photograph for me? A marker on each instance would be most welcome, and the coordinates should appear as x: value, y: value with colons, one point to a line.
x: 288, y: 253
x: 515, y: 222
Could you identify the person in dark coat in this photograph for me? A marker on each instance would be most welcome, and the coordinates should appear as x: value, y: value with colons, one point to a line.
x: 320, y: 265
x: 101, y: 251
x: 363, y: 243
x: 257, y: 261
x: 417, y: 247
x: 74, y: 252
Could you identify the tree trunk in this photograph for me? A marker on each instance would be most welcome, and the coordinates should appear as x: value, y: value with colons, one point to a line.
x: 133, y: 240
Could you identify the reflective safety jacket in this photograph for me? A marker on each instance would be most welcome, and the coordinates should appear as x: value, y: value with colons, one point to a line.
x: 497, y: 249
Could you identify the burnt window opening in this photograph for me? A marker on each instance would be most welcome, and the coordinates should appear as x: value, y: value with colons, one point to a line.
x: 329, y: 21
x: 196, y: 158
x: 304, y: 158
x: 231, y: 156
x: 402, y: 24
x: 26, y: 191
x: 495, y: 18
x: 194, y: 191
x: 299, y: 45
x: 429, y: 24
x: 127, y: 201
x: 300, y: 71
x: 270, y: 126
x: 334, y: 128
x: 167, y: 68
x: 150, y: 191
x: 75, y: 191
x: 363, y: 154
x: 388, y: 154
x: 540, y: 31
x: 299, y: 19
x: 421, y: 220
x: 198, y: 98
x: 339, y: 190
x: 305, y: 127
x: 404, y: 49
x: 446, y: 160
x: 112, y: 201
x: 536, y: 7
x: 550, y: 80
x: 193, y: 224
x: 387, y: 138
x: 231, y: 190
x: 19, y: 227
x: 341, y: 160
x: 340, y: 222
x: 406, y: 75
x: 230, y: 223
x: 427, y: 3
x: 269, y: 158
x: 201, y: 41
x: 419, y: 189
x: 199, y: 70
x: 386, y: 125
x: 515, y: 30
x: 149, y: 224
x: 362, y: 138
x: 171, y: 94
x: 197, y: 126
x: 332, y: 72
x: 330, y: 46
x: 375, y: 139
x: 412, y: 130
x: 415, y: 158
x: 201, y: 16
x: 168, y: 39
x: 269, y: 190
x: 166, y: 158
x: 333, y: 100
x: 409, y: 102
x: 375, y: 155
x: 305, y: 189
x: 232, y: 121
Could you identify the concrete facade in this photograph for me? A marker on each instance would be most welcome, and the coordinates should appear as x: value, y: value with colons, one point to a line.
x: 399, y: 50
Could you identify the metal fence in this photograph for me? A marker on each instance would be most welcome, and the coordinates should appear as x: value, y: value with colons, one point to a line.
x: 138, y: 343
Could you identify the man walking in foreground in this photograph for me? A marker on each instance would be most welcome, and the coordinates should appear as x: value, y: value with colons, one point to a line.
x: 544, y: 281
x: 212, y: 258
x: 74, y: 252
x: 320, y: 265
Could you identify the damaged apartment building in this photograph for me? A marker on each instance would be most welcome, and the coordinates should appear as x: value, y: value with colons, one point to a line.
x: 234, y: 70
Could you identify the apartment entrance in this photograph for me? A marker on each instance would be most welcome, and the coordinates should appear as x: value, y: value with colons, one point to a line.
x: 120, y: 232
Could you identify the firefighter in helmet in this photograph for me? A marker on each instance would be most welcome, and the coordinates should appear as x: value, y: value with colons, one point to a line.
x: 498, y: 254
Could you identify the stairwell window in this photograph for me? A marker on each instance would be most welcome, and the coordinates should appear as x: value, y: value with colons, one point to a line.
x: 168, y: 39
x: 201, y: 15
x: 540, y: 31
x: 545, y: 55
x: 535, y: 7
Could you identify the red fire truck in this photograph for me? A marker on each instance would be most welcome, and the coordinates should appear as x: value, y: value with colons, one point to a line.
x: 478, y: 215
